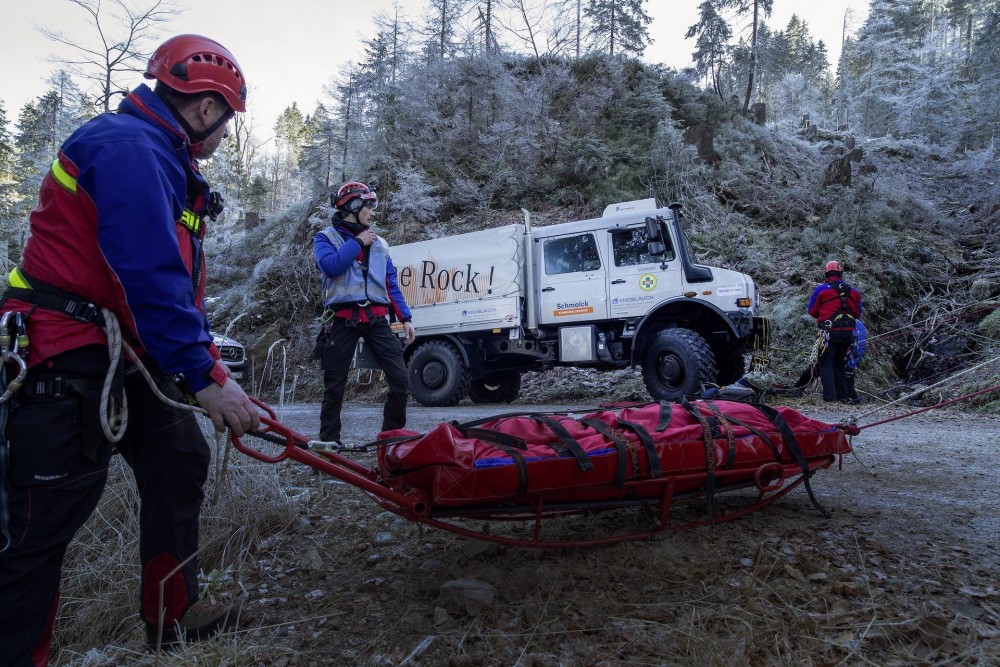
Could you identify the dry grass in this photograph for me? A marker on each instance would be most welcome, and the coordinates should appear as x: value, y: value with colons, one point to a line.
x: 334, y: 580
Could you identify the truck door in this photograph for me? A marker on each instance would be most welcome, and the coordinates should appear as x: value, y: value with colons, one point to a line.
x: 636, y: 281
x: 572, y: 280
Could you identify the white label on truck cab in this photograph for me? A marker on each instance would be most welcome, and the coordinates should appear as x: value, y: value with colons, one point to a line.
x: 729, y: 289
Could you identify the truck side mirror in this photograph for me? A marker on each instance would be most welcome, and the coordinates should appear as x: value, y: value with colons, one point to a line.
x: 653, y: 231
x: 654, y: 234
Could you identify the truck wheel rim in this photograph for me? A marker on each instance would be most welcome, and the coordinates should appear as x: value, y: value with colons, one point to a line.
x: 671, y: 370
x: 434, y: 375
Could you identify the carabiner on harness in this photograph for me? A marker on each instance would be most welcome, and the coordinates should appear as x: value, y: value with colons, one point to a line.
x: 9, y: 351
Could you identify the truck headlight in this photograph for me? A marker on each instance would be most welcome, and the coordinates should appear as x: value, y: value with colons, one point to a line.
x: 745, y: 302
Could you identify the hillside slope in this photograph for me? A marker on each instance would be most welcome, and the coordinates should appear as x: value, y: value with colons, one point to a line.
x: 913, y: 229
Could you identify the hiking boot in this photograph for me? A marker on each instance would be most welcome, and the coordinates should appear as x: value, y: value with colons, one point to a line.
x: 202, y: 620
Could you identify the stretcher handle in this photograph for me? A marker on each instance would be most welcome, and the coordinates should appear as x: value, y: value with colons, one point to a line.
x: 273, y: 431
x: 769, y: 477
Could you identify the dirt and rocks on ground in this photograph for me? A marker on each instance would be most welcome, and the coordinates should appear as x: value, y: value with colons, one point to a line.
x: 905, y: 572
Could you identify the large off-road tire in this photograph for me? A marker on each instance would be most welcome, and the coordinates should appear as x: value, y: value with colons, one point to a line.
x: 498, y: 387
x: 676, y: 363
x: 438, y: 378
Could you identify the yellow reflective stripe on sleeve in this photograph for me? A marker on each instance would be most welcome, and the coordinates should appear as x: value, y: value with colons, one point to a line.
x: 192, y: 221
x: 62, y: 176
x: 17, y: 279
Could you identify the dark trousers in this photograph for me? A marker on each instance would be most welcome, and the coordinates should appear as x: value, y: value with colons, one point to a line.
x: 337, y: 343
x: 852, y: 390
x: 58, y: 469
x: 833, y: 371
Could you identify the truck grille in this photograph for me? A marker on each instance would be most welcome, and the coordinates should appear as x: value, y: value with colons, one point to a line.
x: 576, y: 343
x: 231, y: 353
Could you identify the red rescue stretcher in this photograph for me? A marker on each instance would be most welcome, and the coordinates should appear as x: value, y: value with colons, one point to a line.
x: 530, y: 467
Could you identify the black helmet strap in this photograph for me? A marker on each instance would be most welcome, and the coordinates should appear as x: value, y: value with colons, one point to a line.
x: 193, y: 136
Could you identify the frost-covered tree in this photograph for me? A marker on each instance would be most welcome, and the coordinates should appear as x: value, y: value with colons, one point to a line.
x: 319, y: 155
x: 42, y: 126
x: 711, y: 34
x: 347, y: 107
x: 441, y: 24
x: 543, y: 28
x: 985, y: 66
x: 8, y: 191
x: 620, y: 25
x: 887, y: 63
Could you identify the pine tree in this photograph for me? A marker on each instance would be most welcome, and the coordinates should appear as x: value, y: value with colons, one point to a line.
x: 41, y: 128
x: 8, y: 189
x: 712, y: 34
x: 886, y: 64
x: 319, y: 154
x: 619, y: 24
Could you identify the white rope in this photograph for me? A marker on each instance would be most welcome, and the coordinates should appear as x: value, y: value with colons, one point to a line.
x: 114, y: 417
x: 115, y: 346
x: 926, y: 389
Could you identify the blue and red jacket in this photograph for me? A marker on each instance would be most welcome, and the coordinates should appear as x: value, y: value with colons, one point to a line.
x: 825, y: 301
x: 339, y: 256
x: 119, y: 222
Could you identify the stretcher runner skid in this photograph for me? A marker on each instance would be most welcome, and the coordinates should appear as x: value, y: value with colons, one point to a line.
x: 532, y: 467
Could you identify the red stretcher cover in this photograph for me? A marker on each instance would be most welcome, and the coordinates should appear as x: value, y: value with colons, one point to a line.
x: 601, y: 455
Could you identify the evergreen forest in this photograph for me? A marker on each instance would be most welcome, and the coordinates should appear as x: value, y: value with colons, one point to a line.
x: 470, y: 111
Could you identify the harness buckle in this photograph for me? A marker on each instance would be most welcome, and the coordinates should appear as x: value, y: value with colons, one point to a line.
x: 83, y: 311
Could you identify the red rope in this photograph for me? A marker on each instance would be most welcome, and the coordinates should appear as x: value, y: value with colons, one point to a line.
x: 933, y: 407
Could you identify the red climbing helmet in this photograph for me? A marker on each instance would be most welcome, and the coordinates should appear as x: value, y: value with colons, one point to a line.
x: 196, y: 64
x: 352, y: 196
x: 833, y: 267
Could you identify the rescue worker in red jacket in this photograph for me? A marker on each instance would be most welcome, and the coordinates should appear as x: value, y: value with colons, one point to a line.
x: 836, y: 306
x: 359, y: 292
x: 117, y: 237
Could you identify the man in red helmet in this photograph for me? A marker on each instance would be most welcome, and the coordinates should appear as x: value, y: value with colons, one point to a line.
x: 359, y: 291
x: 836, y: 306
x: 116, y: 241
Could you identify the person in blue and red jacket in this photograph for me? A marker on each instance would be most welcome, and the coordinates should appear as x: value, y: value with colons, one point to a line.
x: 836, y: 306
x: 359, y: 292
x: 117, y: 236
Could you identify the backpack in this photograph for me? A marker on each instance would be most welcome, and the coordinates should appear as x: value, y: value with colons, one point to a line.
x: 841, y: 325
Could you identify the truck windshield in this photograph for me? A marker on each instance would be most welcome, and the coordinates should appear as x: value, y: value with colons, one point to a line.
x: 570, y: 254
x: 630, y: 248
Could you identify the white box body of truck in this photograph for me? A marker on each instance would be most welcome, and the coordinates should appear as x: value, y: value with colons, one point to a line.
x: 465, y: 282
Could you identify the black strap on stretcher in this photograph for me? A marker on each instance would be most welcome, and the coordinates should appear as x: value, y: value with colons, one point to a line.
x: 723, y: 422
x: 509, y: 445
x: 666, y: 412
x: 757, y: 432
x: 621, y: 445
x: 708, y: 437
x: 793, y: 446
x: 647, y: 443
x: 569, y: 442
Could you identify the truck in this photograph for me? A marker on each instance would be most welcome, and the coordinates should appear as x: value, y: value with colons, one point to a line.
x: 618, y: 291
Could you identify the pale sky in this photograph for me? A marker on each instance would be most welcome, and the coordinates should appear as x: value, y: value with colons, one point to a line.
x: 289, y: 49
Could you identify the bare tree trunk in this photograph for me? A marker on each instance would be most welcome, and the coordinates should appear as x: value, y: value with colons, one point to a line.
x: 753, y: 57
